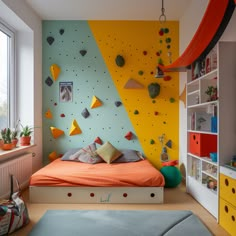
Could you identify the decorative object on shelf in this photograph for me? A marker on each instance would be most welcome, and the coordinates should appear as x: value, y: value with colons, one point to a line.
x: 212, y: 93
x: 213, y: 156
x: 211, y: 183
x: 25, y: 135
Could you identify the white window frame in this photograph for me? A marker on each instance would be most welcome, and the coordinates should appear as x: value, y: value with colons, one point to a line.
x: 11, y: 116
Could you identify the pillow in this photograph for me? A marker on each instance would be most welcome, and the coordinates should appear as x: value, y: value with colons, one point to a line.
x: 87, y: 155
x: 66, y: 156
x: 129, y: 155
x: 108, y: 152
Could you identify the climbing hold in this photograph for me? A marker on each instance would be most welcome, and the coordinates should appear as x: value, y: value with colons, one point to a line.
x: 152, y: 141
x: 129, y: 135
x: 133, y: 84
x: 62, y: 115
x: 85, y: 113
x: 98, y: 141
x: 118, y: 103
x: 154, y: 89
x: 156, y: 113
x: 144, y: 53
x: 48, y: 114
x: 95, y: 102
x: 169, y: 144
x: 140, y: 72
x: 61, y: 31
x: 168, y: 40
x: 56, y: 132
x: 167, y: 78
x: 55, y: 71
x: 136, y: 112
x: 120, y: 61
x: 50, y: 40
x: 83, y: 52
x: 75, y: 129
x: 172, y: 100
x: 52, y: 156
x: 166, y: 30
x: 49, y: 81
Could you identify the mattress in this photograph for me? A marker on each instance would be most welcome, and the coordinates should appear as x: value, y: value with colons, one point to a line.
x: 69, y: 173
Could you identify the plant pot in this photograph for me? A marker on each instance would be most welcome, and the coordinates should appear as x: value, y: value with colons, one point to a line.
x: 7, y: 146
x: 14, y: 142
x: 25, y: 140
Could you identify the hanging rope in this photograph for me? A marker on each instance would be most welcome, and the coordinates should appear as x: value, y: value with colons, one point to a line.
x: 162, y: 17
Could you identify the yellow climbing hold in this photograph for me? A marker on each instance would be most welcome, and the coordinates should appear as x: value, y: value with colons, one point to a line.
x: 75, y: 129
x: 56, y: 132
x: 55, y: 71
x: 48, y: 114
x: 95, y: 102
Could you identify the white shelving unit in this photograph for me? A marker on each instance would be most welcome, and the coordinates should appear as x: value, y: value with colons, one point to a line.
x: 211, y: 125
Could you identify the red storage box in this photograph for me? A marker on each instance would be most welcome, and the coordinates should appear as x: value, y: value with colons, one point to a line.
x: 202, y: 144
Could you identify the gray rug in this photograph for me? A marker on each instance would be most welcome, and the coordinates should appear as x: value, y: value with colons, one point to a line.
x: 119, y: 223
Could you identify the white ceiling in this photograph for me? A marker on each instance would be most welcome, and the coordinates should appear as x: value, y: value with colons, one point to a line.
x: 108, y: 9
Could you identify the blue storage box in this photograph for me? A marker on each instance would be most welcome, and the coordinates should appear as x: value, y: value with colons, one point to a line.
x: 213, y: 156
x: 214, y: 124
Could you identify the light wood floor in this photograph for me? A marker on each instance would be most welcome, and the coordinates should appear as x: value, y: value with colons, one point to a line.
x: 174, y: 199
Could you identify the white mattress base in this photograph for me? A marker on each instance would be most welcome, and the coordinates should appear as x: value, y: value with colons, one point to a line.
x: 149, y: 195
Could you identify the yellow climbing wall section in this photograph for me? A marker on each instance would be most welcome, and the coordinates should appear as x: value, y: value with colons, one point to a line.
x: 141, y: 44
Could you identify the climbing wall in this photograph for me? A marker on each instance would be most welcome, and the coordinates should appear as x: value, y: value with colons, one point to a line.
x: 96, y: 77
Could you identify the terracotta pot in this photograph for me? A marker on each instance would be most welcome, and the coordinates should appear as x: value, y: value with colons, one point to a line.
x: 7, y: 146
x: 14, y: 142
x: 25, y: 140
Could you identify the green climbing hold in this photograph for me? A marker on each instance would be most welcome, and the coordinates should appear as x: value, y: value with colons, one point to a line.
x: 140, y: 72
x: 120, y: 61
x: 166, y: 30
x: 168, y: 40
x: 154, y: 89
x: 136, y: 112
x: 152, y: 141
x: 172, y: 100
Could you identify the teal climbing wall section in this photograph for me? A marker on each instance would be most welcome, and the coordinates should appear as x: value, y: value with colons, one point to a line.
x: 87, y: 76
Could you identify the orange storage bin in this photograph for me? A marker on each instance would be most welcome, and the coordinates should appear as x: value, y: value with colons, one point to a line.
x: 202, y: 144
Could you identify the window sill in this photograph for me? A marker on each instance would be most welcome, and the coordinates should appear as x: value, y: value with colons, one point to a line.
x: 4, y: 155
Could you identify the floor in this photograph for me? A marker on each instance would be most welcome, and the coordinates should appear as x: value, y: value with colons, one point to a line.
x: 175, y: 199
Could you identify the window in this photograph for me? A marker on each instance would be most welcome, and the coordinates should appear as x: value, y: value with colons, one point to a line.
x: 7, y: 77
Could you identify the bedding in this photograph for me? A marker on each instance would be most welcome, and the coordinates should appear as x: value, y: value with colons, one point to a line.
x: 69, y: 173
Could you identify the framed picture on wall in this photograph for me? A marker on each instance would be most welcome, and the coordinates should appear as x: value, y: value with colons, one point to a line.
x: 66, y: 91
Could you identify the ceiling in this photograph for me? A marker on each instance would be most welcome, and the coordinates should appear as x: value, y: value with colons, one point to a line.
x: 108, y: 9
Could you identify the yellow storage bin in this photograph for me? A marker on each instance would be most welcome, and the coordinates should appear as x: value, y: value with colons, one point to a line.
x: 228, y: 189
x: 228, y: 217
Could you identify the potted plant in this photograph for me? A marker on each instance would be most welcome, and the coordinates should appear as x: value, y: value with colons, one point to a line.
x: 6, y: 137
x: 25, y: 135
x: 14, y: 137
x: 212, y: 93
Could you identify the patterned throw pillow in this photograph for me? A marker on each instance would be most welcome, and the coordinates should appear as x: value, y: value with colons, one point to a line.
x: 108, y: 152
x: 129, y: 155
x: 87, y: 155
x: 66, y: 156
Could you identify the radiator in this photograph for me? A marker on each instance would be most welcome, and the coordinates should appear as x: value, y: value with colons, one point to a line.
x: 21, y: 167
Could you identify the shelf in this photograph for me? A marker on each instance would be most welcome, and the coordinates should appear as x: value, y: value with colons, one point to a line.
x: 207, y: 76
x: 202, y: 132
x: 204, y: 159
x: 194, y: 92
x: 203, y: 105
x: 214, y: 176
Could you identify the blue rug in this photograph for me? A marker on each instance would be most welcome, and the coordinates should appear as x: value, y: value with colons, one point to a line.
x: 119, y: 223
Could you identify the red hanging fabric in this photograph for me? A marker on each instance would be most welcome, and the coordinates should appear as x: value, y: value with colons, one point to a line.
x: 212, y: 26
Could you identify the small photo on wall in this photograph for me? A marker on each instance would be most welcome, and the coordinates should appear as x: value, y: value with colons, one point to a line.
x: 66, y: 91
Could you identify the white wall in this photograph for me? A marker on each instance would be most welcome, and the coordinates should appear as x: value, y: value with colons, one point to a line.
x: 28, y: 29
x: 188, y: 26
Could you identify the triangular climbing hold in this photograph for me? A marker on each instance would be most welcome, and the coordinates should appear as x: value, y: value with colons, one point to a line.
x: 55, y: 71
x: 169, y: 144
x: 75, y: 129
x: 129, y: 135
x: 56, y: 132
x: 98, y: 141
x: 48, y: 114
x: 133, y: 84
x: 52, y: 156
x: 95, y: 102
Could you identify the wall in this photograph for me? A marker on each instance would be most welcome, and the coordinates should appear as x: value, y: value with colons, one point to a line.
x: 28, y: 30
x: 96, y: 74
x: 188, y: 26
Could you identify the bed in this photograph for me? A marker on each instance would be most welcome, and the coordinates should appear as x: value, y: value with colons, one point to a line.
x: 129, y: 178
